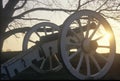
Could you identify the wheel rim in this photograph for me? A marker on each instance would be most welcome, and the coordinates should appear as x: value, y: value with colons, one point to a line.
x: 81, y: 48
x: 34, y: 38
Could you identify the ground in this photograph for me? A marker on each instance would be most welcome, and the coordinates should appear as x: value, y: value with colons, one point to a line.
x: 63, y: 74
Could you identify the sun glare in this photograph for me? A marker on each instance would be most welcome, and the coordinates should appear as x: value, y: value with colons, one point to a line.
x: 106, y: 36
x: 105, y: 42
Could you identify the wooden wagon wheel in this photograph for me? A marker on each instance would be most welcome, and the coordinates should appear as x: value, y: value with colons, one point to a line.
x: 87, y: 45
x: 44, y: 35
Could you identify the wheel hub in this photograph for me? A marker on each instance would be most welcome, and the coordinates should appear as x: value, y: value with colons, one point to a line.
x: 89, y: 45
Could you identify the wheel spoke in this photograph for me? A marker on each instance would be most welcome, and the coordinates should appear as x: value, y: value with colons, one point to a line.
x: 52, y: 30
x: 81, y: 29
x: 32, y: 41
x: 70, y: 45
x: 42, y: 64
x: 99, y: 38
x: 50, y: 60
x: 88, y: 65
x: 80, y: 62
x: 73, y: 55
x: 101, y: 56
x: 94, y: 31
x: 45, y: 30
x: 37, y: 34
x: 56, y: 58
x: 75, y: 34
x: 95, y: 62
x: 88, y: 28
x: 104, y: 46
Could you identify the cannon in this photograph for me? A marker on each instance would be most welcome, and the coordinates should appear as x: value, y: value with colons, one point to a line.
x: 79, y: 44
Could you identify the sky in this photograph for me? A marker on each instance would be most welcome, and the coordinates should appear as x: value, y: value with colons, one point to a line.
x: 15, y: 44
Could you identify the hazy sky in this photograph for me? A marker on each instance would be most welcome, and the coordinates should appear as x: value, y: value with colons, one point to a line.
x: 15, y: 44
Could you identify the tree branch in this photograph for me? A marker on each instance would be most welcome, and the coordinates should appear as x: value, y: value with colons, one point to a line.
x: 13, y: 32
x: 78, y: 5
x: 49, y: 9
x: 34, y: 19
x: 42, y: 9
x: 117, y: 6
x: 25, y: 1
x: 118, y: 10
x: 87, y: 2
x: 117, y: 19
x: 101, y: 5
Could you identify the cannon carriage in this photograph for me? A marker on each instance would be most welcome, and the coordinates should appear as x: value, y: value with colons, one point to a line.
x: 79, y: 44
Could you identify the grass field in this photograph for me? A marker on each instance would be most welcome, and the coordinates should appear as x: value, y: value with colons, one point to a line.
x: 63, y: 74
